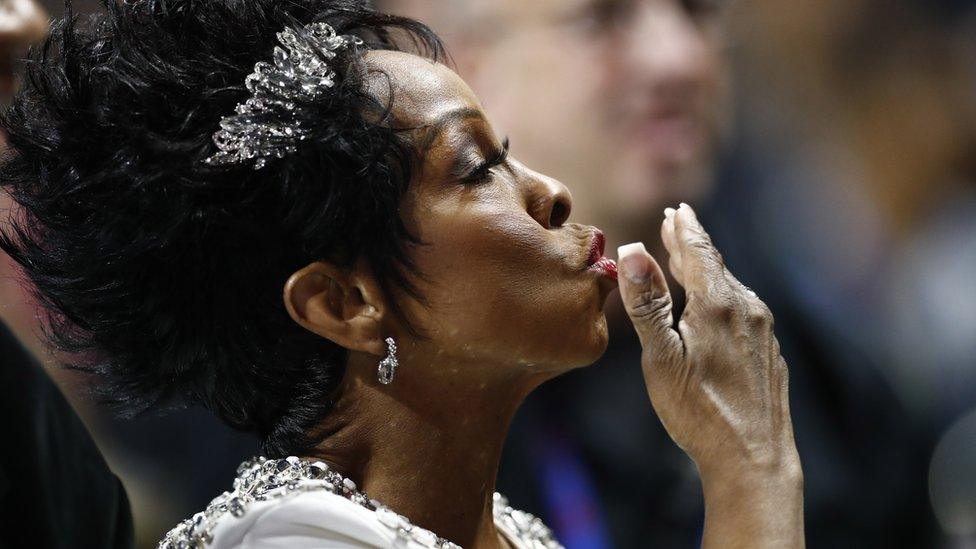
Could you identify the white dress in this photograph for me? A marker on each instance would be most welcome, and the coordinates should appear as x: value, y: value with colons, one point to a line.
x: 302, y: 504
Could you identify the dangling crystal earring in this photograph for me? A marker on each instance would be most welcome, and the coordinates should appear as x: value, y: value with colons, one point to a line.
x: 389, y: 363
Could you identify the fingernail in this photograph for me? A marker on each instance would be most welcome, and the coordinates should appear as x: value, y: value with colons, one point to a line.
x: 669, y: 213
x: 632, y: 264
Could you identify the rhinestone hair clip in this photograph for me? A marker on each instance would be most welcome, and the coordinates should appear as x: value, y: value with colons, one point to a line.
x: 266, y: 125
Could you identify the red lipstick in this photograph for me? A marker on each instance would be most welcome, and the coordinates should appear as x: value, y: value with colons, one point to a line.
x: 598, y: 262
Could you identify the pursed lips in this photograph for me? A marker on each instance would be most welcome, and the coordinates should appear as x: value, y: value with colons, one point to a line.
x: 597, y: 243
x: 598, y: 262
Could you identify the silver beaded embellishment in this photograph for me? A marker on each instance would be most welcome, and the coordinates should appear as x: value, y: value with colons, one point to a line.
x: 525, y: 527
x: 388, y: 365
x: 262, y: 479
x: 266, y: 126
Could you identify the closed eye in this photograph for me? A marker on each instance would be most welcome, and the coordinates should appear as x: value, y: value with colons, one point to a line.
x: 483, y: 169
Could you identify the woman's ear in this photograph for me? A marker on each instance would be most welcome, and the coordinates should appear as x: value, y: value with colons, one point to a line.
x: 344, y: 306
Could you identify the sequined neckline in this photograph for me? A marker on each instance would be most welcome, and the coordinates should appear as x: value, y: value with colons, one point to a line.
x: 262, y: 479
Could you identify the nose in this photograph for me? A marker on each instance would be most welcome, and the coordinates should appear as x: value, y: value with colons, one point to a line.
x: 548, y: 201
x: 666, y: 48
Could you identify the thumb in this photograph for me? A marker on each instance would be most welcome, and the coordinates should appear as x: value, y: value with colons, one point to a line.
x: 646, y: 298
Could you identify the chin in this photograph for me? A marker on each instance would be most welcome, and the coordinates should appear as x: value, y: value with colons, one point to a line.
x: 578, y: 339
x: 599, y: 338
x: 585, y: 348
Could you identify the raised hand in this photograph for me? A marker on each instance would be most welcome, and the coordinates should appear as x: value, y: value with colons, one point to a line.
x: 719, y: 385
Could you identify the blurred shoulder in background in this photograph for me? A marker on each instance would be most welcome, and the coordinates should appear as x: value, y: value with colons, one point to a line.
x: 55, y: 489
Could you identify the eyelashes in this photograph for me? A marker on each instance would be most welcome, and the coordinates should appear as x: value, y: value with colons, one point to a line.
x: 482, y: 171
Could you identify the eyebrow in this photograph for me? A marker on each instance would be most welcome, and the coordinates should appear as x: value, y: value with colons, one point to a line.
x: 435, y: 128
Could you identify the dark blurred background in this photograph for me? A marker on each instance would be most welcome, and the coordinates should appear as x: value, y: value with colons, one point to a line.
x: 831, y: 148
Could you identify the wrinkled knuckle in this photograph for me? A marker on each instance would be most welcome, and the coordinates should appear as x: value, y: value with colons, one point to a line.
x: 759, y: 315
x: 757, y: 322
x: 649, y: 307
x: 716, y: 257
x: 723, y: 307
x: 700, y: 244
x: 703, y: 245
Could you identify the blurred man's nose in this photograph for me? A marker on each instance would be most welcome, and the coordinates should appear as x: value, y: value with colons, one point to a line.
x: 666, y: 47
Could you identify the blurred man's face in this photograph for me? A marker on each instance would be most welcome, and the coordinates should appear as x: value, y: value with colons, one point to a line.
x: 621, y: 99
x: 659, y: 82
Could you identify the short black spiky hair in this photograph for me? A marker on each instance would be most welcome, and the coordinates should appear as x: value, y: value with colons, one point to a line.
x: 164, y: 277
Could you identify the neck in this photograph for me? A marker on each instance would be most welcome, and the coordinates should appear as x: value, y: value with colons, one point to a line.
x: 424, y: 447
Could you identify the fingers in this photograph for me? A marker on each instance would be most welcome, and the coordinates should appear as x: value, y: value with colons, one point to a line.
x: 671, y: 245
x: 700, y: 264
x: 647, y: 299
x: 697, y: 265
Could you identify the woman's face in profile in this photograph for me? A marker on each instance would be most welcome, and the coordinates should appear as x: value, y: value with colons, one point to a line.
x: 507, y: 278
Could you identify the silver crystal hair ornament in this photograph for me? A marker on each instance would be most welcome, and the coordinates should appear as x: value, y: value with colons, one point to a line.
x: 266, y: 125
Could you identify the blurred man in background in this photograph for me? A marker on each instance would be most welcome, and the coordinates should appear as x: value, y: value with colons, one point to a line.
x: 74, y: 499
x: 55, y: 489
x: 22, y: 22
x: 638, y: 89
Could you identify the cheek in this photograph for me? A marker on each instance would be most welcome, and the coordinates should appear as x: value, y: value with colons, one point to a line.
x: 501, y: 288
